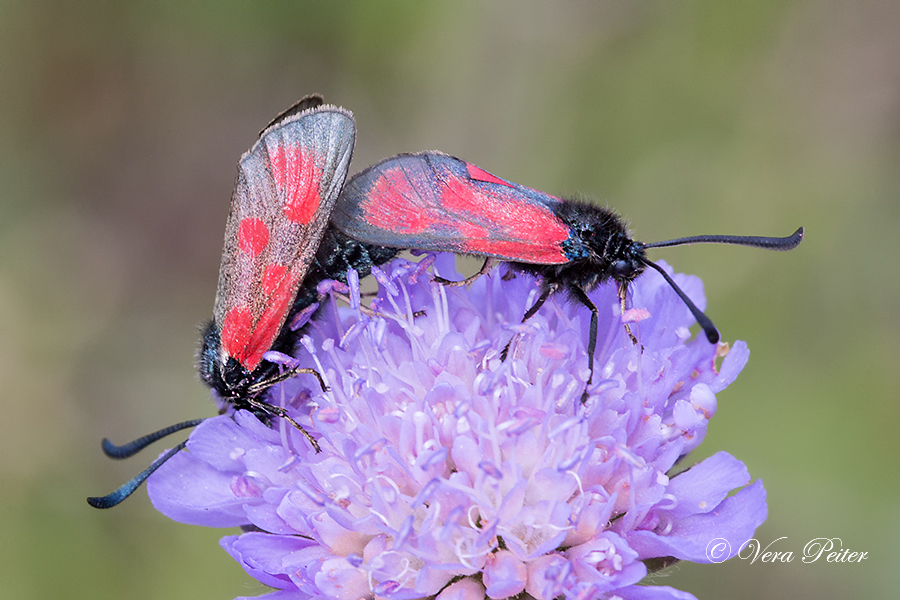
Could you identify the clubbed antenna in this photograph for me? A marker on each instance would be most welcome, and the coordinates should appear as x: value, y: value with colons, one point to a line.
x: 130, y: 449
x: 755, y: 241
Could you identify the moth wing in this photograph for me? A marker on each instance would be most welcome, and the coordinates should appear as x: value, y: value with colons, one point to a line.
x: 433, y: 201
x: 304, y: 103
x: 285, y: 190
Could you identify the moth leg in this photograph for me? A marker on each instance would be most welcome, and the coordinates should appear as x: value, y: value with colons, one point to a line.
x: 622, y: 293
x: 582, y: 297
x: 277, y: 411
x: 365, y: 309
x: 485, y: 269
x: 284, y: 376
x: 368, y: 310
x: 530, y: 313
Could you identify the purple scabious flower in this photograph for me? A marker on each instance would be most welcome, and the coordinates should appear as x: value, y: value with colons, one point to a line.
x: 446, y: 472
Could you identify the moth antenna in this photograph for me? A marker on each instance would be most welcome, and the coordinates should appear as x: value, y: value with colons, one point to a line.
x: 712, y: 334
x: 129, y: 487
x: 769, y: 243
x: 132, y: 448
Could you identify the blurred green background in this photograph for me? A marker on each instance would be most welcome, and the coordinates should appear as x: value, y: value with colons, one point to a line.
x: 121, y: 124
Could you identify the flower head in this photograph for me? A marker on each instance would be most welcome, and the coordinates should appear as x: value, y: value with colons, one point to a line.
x: 448, y: 472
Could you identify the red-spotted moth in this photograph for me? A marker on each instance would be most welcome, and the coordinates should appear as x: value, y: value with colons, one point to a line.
x: 432, y: 201
x: 286, y: 187
x: 285, y: 191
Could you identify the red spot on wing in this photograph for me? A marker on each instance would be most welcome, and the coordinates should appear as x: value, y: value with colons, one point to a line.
x: 236, y: 330
x: 273, y: 278
x: 247, y: 341
x: 253, y: 235
x: 297, y: 178
x: 302, y: 208
x: 280, y: 287
x: 479, y: 240
x: 519, y: 228
x: 517, y: 251
x: 391, y: 205
x: 481, y: 175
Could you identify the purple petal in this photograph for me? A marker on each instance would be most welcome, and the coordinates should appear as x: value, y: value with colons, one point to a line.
x: 701, y: 488
x: 338, y: 579
x: 653, y: 592
x: 188, y: 490
x: 265, y: 516
x: 548, y: 576
x: 729, y: 526
x: 732, y: 365
x: 278, y: 595
x: 262, y: 555
x: 464, y: 589
x: 606, y: 562
x: 504, y: 575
